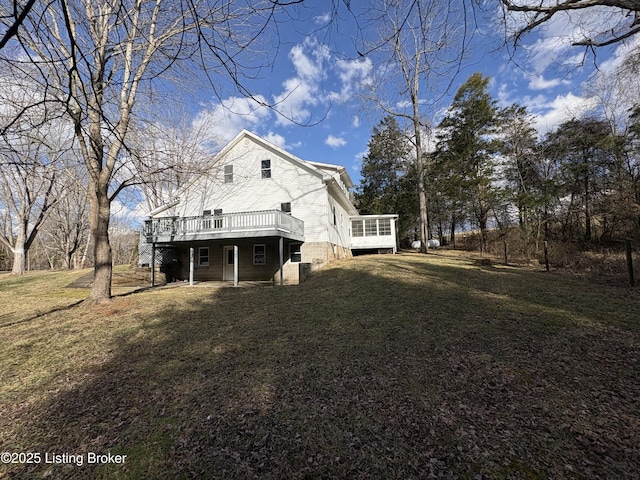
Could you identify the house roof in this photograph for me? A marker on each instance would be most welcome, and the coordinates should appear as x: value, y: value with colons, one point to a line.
x: 319, y: 169
x: 325, y: 171
x: 265, y: 144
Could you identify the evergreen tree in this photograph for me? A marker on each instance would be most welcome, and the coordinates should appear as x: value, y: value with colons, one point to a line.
x: 466, y: 149
x: 388, y: 184
x: 523, y: 171
x: 584, y: 149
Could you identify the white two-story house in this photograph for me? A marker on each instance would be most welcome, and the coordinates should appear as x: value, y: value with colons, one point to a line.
x: 261, y: 213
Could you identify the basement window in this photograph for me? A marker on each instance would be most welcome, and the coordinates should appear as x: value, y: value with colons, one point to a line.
x: 203, y: 256
x: 259, y: 254
x: 295, y: 252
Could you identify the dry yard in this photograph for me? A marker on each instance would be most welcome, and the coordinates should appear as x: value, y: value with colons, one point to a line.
x: 401, y: 366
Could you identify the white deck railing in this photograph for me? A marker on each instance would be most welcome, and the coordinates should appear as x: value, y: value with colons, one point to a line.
x: 225, y: 223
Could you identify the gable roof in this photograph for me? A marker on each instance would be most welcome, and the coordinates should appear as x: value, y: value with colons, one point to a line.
x: 321, y: 170
x: 308, y: 166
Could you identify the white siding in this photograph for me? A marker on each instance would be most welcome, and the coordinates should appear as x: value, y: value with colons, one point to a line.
x: 366, y: 240
x: 290, y: 181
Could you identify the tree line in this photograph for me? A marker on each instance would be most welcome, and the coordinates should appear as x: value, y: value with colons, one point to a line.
x: 489, y: 170
x: 98, y: 69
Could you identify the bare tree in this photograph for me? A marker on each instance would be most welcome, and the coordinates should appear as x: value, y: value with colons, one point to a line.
x: 65, y: 230
x: 618, y: 19
x: 26, y: 195
x: 31, y: 149
x: 99, y: 58
x: 165, y: 156
x: 419, y: 46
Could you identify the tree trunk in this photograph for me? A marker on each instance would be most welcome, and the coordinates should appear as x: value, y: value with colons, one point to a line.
x: 453, y: 231
x: 99, y: 224
x: 422, y: 194
x: 19, y: 259
x: 19, y: 250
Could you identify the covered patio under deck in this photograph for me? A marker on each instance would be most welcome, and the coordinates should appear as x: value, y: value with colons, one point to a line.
x: 211, y: 245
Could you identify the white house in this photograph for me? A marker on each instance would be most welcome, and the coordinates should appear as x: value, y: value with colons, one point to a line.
x: 261, y: 213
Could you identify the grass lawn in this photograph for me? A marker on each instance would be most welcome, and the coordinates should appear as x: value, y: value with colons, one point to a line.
x: 403, y: 366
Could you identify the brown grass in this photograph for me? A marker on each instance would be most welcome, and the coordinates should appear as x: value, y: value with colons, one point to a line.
x: 402, y: 366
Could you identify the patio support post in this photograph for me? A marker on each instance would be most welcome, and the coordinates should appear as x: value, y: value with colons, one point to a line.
x: 153, y: 264
x: 281, y: 260
x: 191, y: 255
x: 235, y: 265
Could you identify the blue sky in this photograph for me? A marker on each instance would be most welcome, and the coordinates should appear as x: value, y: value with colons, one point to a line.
x: 316, y: 78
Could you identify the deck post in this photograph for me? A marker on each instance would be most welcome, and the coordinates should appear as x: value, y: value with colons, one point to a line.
x: 153, y: 264
x: 235, y: 265
x: 191, y: 265
x: 281, y: 245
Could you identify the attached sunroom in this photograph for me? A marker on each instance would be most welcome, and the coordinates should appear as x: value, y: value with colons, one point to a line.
x: 374, y: 233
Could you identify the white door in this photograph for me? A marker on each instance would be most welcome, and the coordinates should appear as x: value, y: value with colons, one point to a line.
x: 227, y: 264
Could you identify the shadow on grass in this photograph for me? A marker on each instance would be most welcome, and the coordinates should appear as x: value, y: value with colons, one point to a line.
x: 376, y: 368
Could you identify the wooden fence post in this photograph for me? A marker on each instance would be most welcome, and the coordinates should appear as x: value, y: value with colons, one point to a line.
x: 627, y: 247
x: 506, y: 251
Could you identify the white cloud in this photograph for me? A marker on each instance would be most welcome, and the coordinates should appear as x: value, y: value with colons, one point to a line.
x: 356, y: 167
x: 303, y: 98
x: 353, y: 75
x: 316, y: 68
x: 540, y: 83
x: 303, y: 90
x: 280, y: 141
x: 335, y: 142
x: 561, y: 109
x: 323, y: 19
x: 225, y: 120
x: 355, y: 123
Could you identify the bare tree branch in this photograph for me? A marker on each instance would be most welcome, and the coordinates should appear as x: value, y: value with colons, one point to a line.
x: 542, y: 12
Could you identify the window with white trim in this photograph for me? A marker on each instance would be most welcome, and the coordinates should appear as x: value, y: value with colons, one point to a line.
x: 228, y: 174
x: 370, y: 228
x: 356, y: 228
x: 203, y: 256
x: 260, y: 254
x: 295, y: 252
x: 384, y: 226
x: 265, y: 168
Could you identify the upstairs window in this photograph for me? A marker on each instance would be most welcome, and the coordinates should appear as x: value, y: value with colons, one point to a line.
x: 217, y: 218
x: 285, y: 207
x: 265, y: 167
x: 228, y: 174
